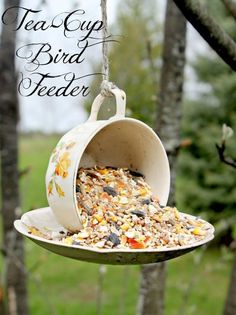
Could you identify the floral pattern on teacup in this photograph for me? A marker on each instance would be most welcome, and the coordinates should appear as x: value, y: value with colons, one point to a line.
x: 61, y: 158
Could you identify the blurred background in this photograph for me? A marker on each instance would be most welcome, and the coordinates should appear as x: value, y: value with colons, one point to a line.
x: 196, y: 284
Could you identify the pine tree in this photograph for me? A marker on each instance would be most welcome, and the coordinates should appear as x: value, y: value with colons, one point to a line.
x: 204, y: 184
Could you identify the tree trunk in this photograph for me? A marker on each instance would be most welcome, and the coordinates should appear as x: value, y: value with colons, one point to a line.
x: 230, y: 304
x: 15, y: 296
x: 152, y: 288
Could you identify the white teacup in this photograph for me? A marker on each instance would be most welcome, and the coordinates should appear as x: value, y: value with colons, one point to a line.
x: 117, y: 142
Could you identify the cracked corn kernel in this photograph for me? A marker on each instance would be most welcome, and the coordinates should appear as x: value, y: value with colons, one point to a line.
x: 98, y: 217
x: 114, y: 219
x: 198, y: 231
x: 68, y: 240
x: 125, y: 227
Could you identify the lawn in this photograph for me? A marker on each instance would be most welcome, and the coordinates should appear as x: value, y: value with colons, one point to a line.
x: 196, y: 284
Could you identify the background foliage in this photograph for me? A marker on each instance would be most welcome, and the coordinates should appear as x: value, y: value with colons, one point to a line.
x: 205, y: 184
x: 135, y: 59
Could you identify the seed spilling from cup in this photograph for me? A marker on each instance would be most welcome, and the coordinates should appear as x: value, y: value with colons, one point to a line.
x: 119, y: 210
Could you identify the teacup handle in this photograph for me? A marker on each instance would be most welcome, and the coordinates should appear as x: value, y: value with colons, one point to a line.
x: 120, y: 97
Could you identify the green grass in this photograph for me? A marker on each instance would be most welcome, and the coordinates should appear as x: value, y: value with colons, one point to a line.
x: 59, y: 285
x: 71, y: 286
x: 35, y: 151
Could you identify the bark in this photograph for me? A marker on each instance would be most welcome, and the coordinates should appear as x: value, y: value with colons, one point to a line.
x: 15, y: 295
x: 152, y: 288
x: 171, y: 88
x: 231, y: 7
x: 230, y: 304
x: 209, y: 29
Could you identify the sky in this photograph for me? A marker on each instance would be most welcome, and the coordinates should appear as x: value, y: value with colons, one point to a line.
x: 59, y: 114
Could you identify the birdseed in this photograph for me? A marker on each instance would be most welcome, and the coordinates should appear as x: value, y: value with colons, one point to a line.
x: 118, y: 210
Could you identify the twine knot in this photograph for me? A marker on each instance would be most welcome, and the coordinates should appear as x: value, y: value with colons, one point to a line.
x: 106, y: 88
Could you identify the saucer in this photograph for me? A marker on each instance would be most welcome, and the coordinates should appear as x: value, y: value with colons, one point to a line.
x: 44, y: 220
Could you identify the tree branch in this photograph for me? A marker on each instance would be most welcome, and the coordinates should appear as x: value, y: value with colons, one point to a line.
x: 221, y: 152
x: 230, y: 6
x: 227, y: 132
x: 209, y: 29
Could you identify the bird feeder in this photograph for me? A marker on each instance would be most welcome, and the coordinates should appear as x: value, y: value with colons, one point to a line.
x: 118, y: 142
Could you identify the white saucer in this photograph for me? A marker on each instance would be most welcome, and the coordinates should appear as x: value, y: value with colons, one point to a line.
x: 43, y: 219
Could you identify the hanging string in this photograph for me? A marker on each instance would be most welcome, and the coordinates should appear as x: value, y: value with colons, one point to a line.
x: 105, y: 62
x: 106, y: 85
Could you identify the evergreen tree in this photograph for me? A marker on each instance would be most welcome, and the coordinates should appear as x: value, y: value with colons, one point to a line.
x: 204, y: 183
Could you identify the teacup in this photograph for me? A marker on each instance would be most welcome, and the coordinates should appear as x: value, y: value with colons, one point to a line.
x: 118, y: 142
